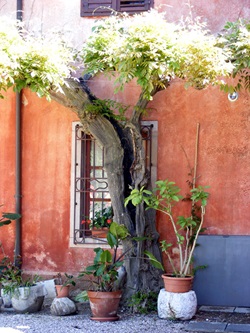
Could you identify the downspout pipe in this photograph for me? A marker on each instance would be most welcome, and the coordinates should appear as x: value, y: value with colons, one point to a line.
x: 18, y: 190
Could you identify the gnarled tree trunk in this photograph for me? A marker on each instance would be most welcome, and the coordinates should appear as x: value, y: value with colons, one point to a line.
x: 125, y: 166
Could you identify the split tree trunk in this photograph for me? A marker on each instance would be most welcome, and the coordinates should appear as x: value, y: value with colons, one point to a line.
x: 124, y: 165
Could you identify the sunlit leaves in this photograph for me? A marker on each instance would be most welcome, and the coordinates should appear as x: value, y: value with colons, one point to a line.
x: 153, y: 51
x: 40, y: 63
x: 236, y: 40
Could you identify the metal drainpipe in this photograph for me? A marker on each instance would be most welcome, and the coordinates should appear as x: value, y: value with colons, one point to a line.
x: 18, y: 195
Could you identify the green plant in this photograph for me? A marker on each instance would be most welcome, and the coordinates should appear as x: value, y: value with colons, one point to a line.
x: 65, y: 280
x: 10, y: 272
x: 186, y: 229
x: 7, y: 218
x: 143, y: 302
x: 11, y: 277
x: 103, y: 218
x: 103, y: 273
x: 235, y: 41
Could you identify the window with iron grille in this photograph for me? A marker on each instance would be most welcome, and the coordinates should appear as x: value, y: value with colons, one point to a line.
x: 91, y: 210
x: 105, y: 7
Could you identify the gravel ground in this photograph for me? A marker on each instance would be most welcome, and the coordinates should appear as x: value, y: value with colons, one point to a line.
x: 44, y: 322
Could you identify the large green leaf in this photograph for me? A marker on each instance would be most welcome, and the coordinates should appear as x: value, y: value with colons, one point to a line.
x: 153, y: 260
x: 106, y: 257
x: 5, y: 222
x: 11, y: 216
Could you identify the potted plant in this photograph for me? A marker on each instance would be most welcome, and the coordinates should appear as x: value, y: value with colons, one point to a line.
x: 9, y: 272
x: 186, y: 229
x: 26, y: 294
x: 101, y: 222
x: 6, y: 219
x: 62, y: 284
x: 104, y: 293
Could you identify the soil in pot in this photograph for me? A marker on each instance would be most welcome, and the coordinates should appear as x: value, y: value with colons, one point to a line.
x: 177, y: 284
x: 104, y: 305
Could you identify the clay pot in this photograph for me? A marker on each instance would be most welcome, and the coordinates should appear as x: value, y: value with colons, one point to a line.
x: 177, y: 284
x: 104, y: 305
x: 62, y: 291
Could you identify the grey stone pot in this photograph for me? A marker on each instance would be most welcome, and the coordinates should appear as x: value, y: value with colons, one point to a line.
x: 6, y: 297
x: 28, y: 299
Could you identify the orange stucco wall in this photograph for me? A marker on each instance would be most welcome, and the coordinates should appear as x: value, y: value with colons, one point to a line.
x: 223, y: 154
x: 7, y: 166
x: 223, y: 160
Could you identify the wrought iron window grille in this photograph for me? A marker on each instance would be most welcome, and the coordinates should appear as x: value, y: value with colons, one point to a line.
x: 91, y: 193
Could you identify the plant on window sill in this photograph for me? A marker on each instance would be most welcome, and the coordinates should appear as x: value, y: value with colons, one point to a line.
x: 102, y: 218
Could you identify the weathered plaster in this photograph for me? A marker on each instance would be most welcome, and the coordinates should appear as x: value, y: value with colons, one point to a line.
x: 46, y: 139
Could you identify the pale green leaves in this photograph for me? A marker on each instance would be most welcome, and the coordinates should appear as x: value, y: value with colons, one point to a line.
x: 40, y: 63
x: 148, y: 48
x: 236, y: 40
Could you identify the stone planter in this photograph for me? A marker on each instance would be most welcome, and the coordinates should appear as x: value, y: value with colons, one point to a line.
x: 28, y: 299
x: 181, y: 306
x: 6, y: 297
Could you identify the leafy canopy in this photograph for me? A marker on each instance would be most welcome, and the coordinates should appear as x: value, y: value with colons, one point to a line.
x: 236, y: 39
x: 153, y: 51
x: 40, y: 63
x: 143, y: 47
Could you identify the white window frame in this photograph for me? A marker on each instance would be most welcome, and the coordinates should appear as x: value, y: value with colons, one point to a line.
x: 75, y: 172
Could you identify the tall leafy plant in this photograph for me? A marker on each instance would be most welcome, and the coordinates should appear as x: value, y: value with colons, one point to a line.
x: 186, y: 229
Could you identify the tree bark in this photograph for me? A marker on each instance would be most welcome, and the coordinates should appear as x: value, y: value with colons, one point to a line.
x: 125, y: 166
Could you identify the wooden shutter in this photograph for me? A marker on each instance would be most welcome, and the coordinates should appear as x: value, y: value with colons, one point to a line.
x: 97, y: 7
x: 133, y: 6
x: 100, y: 7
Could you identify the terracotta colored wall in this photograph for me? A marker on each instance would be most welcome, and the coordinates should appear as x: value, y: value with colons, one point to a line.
x: 46, y: 138
x: 7, y: 167
x: 224, y: 151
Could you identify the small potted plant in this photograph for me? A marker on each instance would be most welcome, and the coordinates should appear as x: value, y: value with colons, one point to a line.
x: 26, y: 294
x: 9, y: 273
x: 101, y: 222
x: 63, y: 283
x: 104, y: 293
x: 186, y: 229
x: 5, y: 262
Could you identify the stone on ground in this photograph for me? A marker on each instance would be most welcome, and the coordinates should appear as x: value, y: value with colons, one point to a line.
x: 62, y: 307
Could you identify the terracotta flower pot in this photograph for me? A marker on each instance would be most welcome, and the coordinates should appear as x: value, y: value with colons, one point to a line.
x: 104, y: 305
x: 100, y: 232
x: 62, y: 291
x: 177, y: 284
